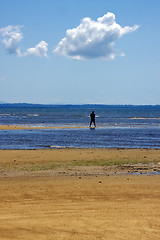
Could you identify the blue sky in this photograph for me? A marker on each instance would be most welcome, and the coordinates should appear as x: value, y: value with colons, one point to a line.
x: 80, y: 52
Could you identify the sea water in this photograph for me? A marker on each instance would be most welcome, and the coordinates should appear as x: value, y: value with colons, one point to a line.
x: 117, y: 126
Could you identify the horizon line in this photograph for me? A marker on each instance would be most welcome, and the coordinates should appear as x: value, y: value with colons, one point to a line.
x: 76, y: 104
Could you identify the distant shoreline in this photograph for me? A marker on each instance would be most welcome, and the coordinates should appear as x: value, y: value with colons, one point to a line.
x: 32, y: 105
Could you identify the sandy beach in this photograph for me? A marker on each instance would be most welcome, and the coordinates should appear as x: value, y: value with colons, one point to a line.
x: 80, y: 194
x: 23, y: 127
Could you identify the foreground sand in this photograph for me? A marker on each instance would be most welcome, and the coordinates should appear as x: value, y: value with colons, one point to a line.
x: 78, y: 194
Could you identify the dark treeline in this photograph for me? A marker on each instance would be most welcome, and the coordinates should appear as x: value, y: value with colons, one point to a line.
x: 32, y: 105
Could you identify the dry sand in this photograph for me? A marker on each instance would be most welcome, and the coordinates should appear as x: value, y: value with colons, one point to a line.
x: 79, y: 194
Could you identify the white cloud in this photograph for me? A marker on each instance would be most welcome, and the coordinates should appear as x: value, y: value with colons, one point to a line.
x: 40, y: 50
x: 12, y: 35
x: 93, y: 39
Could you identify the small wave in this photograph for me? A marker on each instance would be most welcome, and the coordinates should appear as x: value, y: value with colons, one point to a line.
x: 139, y: 118
x: 33, y: 115
x: 56, y: 146
x: 5, y: 114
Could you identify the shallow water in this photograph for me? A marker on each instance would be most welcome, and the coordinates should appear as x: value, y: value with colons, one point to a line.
x: 145, y: 173
x: 117, y: 127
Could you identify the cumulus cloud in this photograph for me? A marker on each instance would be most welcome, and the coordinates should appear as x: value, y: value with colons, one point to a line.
x: 12, y: 35
x: 40, y: 50
x: 93, y: 39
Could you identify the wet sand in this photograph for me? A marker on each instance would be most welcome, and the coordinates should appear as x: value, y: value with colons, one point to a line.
x: 23, y: 127
x: 80, y: 194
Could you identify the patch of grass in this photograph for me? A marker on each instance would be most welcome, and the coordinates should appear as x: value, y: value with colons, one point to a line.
x: 30, y: 166
x: 102, y: 162
x: 44, y: 166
